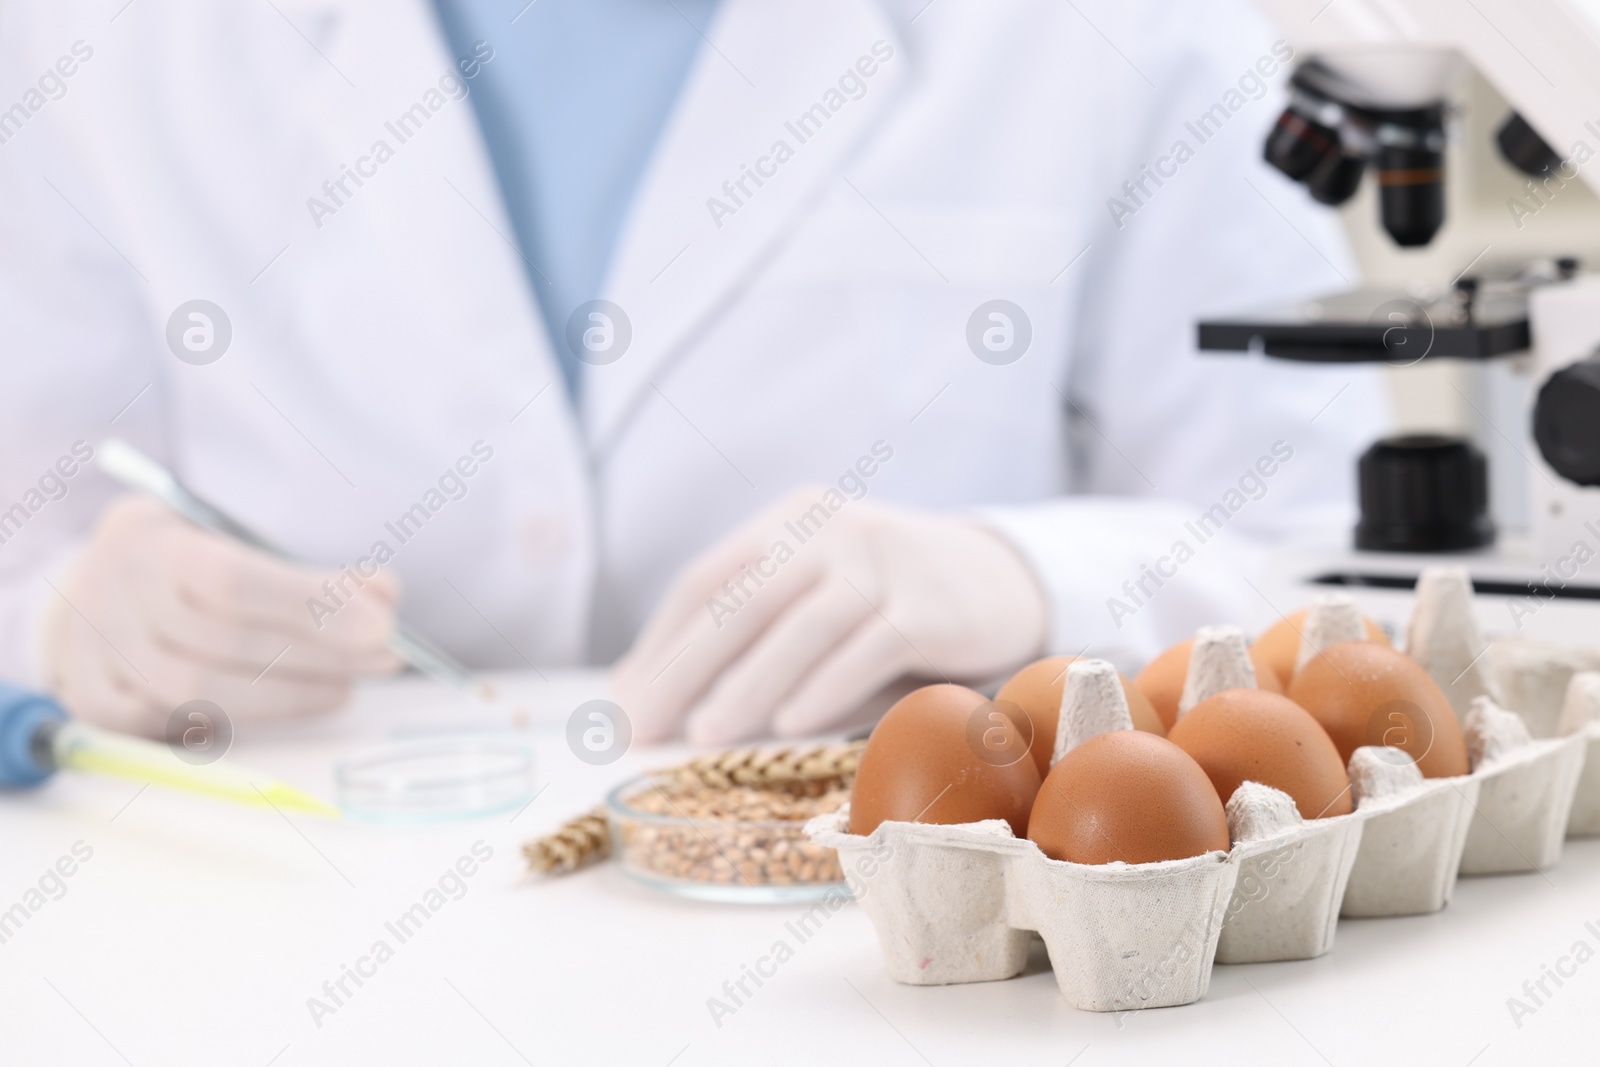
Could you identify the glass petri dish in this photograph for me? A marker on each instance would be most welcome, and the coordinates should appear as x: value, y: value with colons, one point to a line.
x: 739, y: 861
x: 435, y: 779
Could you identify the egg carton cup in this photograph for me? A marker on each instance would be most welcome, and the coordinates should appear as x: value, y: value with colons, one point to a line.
x: 1534, y: 679
x: 1585, y: 818
x: 1417, y: 828
x: 1528, y: 771
x: 1398, y: 853
x: 1292, y: 871
x: 1411, y: 845
x: 955, y: 904
x: 1557, y: 693
x: 1291, y: 883
x: 1410, y: 850
x: 1519, y: 821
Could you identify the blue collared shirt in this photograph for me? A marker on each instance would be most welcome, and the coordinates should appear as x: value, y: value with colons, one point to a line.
x: 571, y: 108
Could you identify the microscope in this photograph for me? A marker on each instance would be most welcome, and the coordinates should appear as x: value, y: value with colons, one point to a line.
x: 1372, y: 96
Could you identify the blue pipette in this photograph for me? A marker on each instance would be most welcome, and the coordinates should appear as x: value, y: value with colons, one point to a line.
x: 37, y: 739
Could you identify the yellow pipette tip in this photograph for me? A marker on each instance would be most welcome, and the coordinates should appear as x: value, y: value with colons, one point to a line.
x: 288, y: 798
x: 86, y: 748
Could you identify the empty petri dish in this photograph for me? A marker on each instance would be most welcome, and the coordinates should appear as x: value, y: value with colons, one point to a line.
x: 435, y: 778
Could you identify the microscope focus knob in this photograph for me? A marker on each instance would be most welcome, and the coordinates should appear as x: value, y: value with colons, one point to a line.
x: 1424, y: 493
x: 1566, y: 421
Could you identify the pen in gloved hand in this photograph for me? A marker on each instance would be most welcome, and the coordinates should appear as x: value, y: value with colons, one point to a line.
x: 138, y: 471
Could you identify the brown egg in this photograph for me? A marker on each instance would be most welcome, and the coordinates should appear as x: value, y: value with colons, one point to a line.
x: 1279, y: 644
x: 1242, y: 735
x: 1035, y: 693
x: 1162, y: 679
x: 925, y: 762
x: 1131, y: 796
x: 1364, y: 693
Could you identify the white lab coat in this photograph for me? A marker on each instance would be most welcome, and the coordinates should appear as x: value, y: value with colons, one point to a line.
x: 772, y: 346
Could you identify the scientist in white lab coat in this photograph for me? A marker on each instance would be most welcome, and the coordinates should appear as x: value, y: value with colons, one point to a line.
x: 782, y: 347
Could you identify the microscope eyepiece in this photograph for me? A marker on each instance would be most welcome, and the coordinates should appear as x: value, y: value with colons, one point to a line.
x: 1336, y: 180
x: 1298, y: 144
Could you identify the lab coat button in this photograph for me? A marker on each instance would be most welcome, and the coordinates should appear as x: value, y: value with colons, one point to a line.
x: 544, y: 539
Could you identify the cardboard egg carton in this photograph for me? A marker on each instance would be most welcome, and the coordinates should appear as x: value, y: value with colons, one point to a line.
x: 960, y: 903
x: 954, y: 904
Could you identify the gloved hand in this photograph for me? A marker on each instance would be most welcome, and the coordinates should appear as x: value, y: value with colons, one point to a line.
x: 766, y: 632
x: 155, y: 612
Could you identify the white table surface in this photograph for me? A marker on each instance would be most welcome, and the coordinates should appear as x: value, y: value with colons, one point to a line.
x: 197, y: 932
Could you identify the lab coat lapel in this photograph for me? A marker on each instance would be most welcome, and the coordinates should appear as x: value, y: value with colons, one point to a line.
x: 435, y: 253
x: 385, y: 53
x: 762, y: 127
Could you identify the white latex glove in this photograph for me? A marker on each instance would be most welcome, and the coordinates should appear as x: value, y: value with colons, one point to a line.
x: 877, y: 593
x: 155, y: 612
